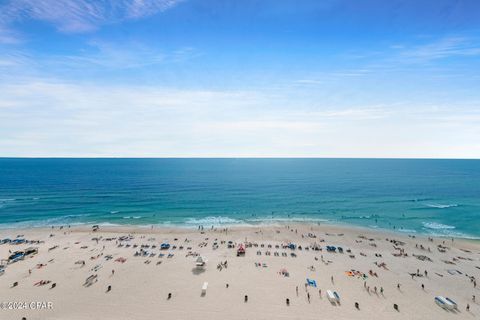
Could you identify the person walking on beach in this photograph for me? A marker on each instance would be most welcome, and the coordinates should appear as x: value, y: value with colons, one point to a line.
x: 297, y: 291
x: 423, y: 286
x: 308, y: 297
x: 468, y: 307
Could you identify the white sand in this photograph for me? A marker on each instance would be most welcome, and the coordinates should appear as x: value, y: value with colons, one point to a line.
x: 139, y: 290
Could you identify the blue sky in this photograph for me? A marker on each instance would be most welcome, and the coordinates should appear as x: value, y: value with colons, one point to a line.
x: 159, y: 78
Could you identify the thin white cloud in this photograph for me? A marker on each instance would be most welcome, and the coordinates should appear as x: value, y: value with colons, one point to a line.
x: 8, y: 36
x: 77, y: 16
x: 95, y: 56
x: 442, y: 48
x: 42, y: 117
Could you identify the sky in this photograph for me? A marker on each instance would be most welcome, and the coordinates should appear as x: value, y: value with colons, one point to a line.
x: 204, y: 78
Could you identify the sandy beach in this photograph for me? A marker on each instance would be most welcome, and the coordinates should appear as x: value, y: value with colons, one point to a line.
x: 123, y: 273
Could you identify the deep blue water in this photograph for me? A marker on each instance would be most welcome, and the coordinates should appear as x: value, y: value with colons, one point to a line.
x: 439, y: 197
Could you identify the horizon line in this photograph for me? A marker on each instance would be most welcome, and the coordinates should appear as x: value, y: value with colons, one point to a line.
x: 239, y: 157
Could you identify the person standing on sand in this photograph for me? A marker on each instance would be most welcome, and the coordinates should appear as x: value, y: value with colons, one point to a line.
x: 308, y: 297
x: 297, y: 291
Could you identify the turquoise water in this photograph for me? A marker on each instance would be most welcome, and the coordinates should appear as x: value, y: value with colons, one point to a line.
x: 440, y: 197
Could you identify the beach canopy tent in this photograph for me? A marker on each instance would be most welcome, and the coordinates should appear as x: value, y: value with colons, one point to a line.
x: 201, y: 261
x: 241, y: 250
x: 16, y: 256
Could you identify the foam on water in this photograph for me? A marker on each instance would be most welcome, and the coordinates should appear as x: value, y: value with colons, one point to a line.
x: 437, y: 226
x: 441, y: 206
x: 212, y: 221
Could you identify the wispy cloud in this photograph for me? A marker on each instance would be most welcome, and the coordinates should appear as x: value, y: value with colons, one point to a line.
x: 96, y: 56
x: 39, y: 117
x: 77, y: 16
x: 114, y: 55
x: 442, y: 48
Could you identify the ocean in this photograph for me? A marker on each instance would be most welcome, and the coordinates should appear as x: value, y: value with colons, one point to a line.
x: 434, y: 197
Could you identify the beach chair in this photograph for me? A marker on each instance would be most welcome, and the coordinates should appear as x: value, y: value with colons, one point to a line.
x: 311, y: 283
